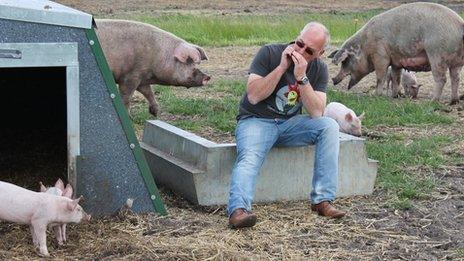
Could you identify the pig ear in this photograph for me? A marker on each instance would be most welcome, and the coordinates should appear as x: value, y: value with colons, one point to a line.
x: 340, y: 56
x: 361, y: 117
x: 348, y: 117
x: 202, y: 53
x: 185, y: 53
x: 59, y: 184
x: 68, y: 191
x: 73, y: 204
x: 332, y: 54
x: 42, y: 187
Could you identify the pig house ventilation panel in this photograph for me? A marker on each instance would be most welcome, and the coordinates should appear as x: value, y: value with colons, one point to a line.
x: 61, y: 114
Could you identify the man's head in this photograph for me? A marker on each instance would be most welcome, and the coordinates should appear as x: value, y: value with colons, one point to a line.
x: 312, y: 41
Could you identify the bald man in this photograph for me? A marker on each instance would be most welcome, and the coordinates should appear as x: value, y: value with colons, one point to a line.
x: 283, y: 78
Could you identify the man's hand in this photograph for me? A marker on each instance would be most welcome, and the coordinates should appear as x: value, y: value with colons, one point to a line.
x: 300, y: 65
x: 286, y: 59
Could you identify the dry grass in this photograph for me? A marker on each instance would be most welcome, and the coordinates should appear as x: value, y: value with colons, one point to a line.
x: 286, y: 230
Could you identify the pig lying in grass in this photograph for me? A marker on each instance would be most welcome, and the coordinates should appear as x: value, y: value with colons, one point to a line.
x: 346, y: 118
x: 58, y: 190
x: 140, y: 54
x: 38, y: 210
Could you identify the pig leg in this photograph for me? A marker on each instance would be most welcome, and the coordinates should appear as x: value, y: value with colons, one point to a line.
x: 63, y: 232
x: 40, y: 231
x: 34, y: 237
x: 381, y: 66
x: 439, y: 76
x: 148, y: 94
x: 58, y: 234
x: 126, y: 92
x: 396, y: 79
x: 454, y: 75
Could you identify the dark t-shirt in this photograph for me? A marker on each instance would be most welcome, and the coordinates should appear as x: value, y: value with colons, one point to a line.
x: 277, y: 105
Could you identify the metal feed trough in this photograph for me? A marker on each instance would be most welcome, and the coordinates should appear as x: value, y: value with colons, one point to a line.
x: 61, y: 112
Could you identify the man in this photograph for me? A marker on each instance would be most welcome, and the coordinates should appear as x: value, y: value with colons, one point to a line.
x: 283, y: 79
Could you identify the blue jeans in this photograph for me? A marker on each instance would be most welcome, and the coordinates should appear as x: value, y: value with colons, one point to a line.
x: 256, y: 136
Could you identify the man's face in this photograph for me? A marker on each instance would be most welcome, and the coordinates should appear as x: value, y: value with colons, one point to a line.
x: 311, y: 46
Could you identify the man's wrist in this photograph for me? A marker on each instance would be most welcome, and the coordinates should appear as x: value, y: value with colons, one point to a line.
x: 303, y: 80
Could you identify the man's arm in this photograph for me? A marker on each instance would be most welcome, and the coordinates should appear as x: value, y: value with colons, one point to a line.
x: 313, y: 101
x: 259, y: 87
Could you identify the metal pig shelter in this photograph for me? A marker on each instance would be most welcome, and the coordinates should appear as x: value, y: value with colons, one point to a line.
x: 61, y: 115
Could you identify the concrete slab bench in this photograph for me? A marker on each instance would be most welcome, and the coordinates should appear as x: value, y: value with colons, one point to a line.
x: 199, y: 170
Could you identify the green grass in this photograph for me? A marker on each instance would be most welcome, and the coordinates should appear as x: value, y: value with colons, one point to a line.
x: 246, y: 30
x: 395, y: 156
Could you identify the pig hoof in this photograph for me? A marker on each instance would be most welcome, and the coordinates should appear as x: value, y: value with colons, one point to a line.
x: 153, y: 110
x: 44, y: 254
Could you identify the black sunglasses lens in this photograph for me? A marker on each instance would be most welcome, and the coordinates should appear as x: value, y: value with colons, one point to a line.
x: 309, y: 51
x: 300, y: 44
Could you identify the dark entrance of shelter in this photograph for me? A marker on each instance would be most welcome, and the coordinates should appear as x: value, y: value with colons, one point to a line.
x: 33, y: 125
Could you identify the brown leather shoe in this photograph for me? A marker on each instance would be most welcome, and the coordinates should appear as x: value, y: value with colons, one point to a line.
x: 326, y: 209
x: 242, y: 218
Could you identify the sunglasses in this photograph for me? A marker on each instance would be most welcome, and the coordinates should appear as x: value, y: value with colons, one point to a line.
x: 301, y: 44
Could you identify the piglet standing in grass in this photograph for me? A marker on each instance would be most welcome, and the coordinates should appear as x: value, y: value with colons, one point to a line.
x: 58, y: 190
x: 408, y: 81
x: 345, y: 117
x: 38, y: 210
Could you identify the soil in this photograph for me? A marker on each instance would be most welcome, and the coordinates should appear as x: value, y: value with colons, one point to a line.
x: 432, y: 229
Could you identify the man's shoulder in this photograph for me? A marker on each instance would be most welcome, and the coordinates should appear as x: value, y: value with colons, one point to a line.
x: 275, y: 47
x: 318, y: 65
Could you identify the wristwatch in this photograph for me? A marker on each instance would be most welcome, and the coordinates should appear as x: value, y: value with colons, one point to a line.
x: 303, y: 81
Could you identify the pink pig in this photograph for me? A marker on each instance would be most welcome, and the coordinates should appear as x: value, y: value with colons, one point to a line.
x: 346, y: 118
x: 38, y: 210
x: 58, y: 190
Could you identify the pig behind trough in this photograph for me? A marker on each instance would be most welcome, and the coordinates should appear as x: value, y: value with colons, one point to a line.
x: 140, y: 54
x: 345, y: 117
x: 416, y: 36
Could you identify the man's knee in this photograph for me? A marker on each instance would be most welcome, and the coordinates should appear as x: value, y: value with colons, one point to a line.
x: 329, y: 124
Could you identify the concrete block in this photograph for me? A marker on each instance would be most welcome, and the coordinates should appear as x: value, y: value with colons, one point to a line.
x: 199, y: 169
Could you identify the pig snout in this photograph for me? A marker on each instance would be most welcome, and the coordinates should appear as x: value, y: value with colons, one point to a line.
x: 206, y: 80
x: 336, y: 80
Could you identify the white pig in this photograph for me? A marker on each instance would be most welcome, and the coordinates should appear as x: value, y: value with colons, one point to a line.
x: 346, y: 118
x: 58, y: 190
x: 37, y: 209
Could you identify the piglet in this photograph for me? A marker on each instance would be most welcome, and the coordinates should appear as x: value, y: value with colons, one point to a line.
x: 408, y: 81
x: 58, y: 190
x: 347, y: 120
x: 38, y: 210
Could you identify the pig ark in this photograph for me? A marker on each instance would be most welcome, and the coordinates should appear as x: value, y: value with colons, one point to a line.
x: 416, y: 36
x: 37, y: 209
x: 140, y: 54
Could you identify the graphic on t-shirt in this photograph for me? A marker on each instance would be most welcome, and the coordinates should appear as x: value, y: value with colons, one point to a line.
x: 287, y: 100
x: 292, y: 95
